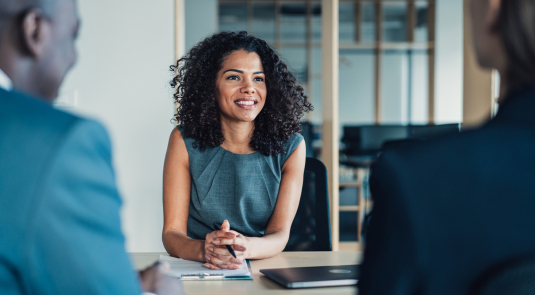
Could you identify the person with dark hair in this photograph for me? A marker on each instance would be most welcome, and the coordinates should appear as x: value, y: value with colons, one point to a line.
x: 234, y: 165
x: 449, y: 212
x: 60, y: 230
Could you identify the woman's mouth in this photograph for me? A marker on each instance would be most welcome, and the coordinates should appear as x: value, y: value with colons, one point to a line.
x: 247, y: 104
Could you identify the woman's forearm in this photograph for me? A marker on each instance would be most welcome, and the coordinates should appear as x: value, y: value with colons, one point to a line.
x: 266, y: 246
x: 180, y: 245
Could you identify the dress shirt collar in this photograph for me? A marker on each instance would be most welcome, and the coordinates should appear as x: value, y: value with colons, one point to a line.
x: 5, y: 82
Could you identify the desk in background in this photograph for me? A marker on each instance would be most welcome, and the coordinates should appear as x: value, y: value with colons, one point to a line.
x: 261, y: 284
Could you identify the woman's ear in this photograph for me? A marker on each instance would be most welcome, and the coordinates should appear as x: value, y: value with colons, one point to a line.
x: 35, y: 32
x: 493, y: 15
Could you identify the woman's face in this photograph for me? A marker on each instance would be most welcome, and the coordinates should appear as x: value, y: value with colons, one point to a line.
x: 241, y: 86
x: 485, y: 35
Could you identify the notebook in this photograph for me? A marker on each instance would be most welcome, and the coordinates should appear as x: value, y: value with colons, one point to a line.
x: 194, y: 270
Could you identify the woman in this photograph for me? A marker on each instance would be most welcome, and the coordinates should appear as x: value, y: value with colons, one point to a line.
x: 236, y: 160
x: 454, y: 215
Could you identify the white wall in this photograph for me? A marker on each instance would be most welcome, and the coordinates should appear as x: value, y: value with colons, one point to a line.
x: 125, y: 49
x: 122, y: 79
x: 449, y: 61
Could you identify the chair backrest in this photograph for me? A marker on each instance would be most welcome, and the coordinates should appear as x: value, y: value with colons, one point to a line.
x: 311, y: 228
x: 431, y: 131
x: 308, y: 135
x: 513, y: 277
x: 369, y: 139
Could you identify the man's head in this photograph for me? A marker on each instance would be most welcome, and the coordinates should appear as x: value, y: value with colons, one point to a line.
x: 37, y: 43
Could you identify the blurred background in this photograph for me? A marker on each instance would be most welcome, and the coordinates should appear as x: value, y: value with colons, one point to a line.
x: 405, y: 71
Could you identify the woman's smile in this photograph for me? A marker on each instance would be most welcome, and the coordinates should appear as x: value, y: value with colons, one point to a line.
x: 246, y: 103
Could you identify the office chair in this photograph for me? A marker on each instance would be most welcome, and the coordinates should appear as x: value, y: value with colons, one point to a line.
x: 513, y: 277
x: 311, y: 228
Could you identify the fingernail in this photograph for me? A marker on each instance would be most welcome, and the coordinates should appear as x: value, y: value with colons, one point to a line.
x: 211, y: 248
x: 217, y: 242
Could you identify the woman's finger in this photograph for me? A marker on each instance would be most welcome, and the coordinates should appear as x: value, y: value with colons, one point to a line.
x: 211, y: 266
x: 222, y: 250
x: 224, y: 234
x: 225, y: 225
x: 224, y: 241
x: 218, y: 262
x: 239, y: 248
x: 227, y: 257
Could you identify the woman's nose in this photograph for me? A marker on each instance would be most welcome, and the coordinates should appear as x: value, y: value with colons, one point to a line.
x: 248, y: 88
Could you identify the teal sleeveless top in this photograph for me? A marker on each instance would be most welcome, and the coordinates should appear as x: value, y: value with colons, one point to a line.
x: 240, y: 188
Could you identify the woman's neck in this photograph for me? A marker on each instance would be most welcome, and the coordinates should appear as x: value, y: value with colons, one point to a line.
x: 237, y: 136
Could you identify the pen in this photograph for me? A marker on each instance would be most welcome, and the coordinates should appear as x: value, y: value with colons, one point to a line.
x: 229, y: 248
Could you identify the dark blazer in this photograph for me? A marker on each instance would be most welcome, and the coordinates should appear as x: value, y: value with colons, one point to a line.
x: 60, y: 230
x: 447, y: 210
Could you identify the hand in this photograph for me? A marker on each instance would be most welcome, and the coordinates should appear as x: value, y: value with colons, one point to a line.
x: 154, y: 279
x: 216, y: 254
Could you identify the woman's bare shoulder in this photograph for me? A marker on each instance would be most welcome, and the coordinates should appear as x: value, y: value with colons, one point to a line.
x: 177, y: 146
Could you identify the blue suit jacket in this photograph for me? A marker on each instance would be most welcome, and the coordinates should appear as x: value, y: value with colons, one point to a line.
x: 60, y: 230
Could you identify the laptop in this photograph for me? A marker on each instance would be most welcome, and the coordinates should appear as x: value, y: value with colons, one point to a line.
x: 317, y: 276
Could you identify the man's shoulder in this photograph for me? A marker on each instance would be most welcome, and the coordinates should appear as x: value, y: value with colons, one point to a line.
x: 22, y: 115
x: 34, y: 134
x: 28, y: 114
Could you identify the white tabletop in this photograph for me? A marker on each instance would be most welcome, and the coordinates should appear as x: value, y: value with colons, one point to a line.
x: 261, y: 284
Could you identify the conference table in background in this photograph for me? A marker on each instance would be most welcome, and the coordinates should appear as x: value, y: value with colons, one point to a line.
x: 261, y: 284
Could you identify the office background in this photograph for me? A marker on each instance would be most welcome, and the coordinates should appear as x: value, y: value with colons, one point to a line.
x: 122, y: 77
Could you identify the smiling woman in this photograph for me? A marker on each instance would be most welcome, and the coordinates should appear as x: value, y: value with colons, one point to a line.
x: 234, y: 166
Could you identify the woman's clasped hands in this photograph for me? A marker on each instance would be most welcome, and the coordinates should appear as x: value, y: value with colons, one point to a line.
x: 216, y: 254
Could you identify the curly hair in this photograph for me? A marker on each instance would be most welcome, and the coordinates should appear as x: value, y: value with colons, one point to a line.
x: 198, y: 112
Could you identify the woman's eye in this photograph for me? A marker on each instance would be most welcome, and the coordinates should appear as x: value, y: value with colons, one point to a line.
x: 232, y: 78
x: 259, y: 79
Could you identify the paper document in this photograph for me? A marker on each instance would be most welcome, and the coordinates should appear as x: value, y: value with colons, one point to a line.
x: 180, y: 267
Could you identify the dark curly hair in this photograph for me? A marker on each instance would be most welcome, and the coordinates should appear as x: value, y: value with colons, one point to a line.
x: 198, y: 112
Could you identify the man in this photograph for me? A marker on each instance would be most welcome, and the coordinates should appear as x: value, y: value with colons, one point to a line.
x: 60, y: 229
x: 450, y: 211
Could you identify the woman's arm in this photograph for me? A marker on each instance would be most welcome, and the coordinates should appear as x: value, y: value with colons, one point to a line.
x: 278, y: 228
x: 176, y: 198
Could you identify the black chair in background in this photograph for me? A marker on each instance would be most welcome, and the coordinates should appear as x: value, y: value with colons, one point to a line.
x: 311, y: 228
x: 432, y: 131
x: 307, y: 130
x: 366, y: 141
x: 513, y: 277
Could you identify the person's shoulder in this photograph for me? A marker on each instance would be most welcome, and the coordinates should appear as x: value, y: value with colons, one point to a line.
x: 177, y: 138
x: 437, y: 149
x: 177, y: 134
x: 296, y: 138
x: 87, y: 134
x: 30, y: 115
x: 293, y: 142
x: 412, y: 161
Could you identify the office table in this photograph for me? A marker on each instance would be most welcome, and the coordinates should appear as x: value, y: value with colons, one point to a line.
x: 261, y: 284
